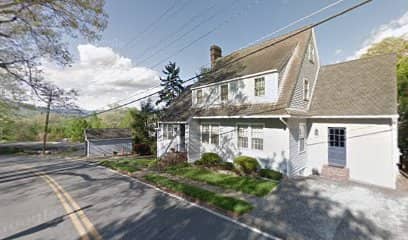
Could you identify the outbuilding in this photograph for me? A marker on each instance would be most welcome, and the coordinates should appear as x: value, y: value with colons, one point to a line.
x: 101, y: 142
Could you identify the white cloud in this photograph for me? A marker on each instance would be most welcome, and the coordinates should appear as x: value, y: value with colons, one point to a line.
x: 102, y: 77
x: 338, y: 51
x: 395, y: 28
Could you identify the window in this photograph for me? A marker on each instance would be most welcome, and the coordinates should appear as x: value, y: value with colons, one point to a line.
x: 215, y: 135
x: 306, y: 89
x: 257, y: 137
x: 210, y: 133
x: 302, y: 134
x: 224, y: 92
x: 336, y: 137
x: 199, y: 96
x: 169, y: 131
x: 205, y: 133
x: 243, y: 136
x: 260, y: 86
x: 311, y: 53
x: 165, y: 131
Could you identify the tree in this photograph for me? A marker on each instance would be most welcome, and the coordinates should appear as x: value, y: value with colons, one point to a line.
x: 76, y: 129
x: 400, y: 47
x: 95, y: 122
x: 34, y: 30
x: 142, y: 122
x: 54, y: 97
x: 172, y: 84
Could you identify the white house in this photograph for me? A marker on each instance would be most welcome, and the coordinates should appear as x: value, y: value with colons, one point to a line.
x: 275, y: 102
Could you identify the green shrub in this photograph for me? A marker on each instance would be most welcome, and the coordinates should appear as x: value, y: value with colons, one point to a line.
x: 209, y: 159
x: 154, y: 164
x: 226, y: 165
x: 271, y: 174
x: 246, y: 164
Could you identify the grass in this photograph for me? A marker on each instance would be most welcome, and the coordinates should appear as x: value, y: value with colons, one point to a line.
x: 227, y: 203
x: 249, y: 185
x: 129, y: 165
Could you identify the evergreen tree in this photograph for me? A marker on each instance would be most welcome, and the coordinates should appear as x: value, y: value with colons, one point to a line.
x: 172, y: 84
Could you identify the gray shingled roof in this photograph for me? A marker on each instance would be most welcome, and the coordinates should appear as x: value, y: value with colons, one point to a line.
x: 240, y: 64
x: 107, y: 133
x: 360, y: 87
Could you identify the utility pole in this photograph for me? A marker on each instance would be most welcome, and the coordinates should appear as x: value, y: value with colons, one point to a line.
x: 47, y: 118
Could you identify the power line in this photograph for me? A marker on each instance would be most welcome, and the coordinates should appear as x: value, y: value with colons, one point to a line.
x: 274, y: 32
x: 248, y: 54
x: 182, y: 27
x: 294, y: 22
x: 204, y: 35
x: 154, y: 23
x: 187, y: 32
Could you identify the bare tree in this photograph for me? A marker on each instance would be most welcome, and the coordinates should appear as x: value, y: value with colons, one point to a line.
x: 34, y: 30
x: 55, y: 98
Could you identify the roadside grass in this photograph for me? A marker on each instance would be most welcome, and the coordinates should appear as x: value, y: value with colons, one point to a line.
x: 249, y: 185
x: 234, y: 205
x: 129, y: 165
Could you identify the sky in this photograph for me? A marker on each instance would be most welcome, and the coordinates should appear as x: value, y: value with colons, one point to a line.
x: 143, y: 35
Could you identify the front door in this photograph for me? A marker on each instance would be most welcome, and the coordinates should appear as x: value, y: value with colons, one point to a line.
x: 182, y: 146
x: 337, y: 147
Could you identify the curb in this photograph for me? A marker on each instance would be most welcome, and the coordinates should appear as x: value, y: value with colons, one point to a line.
x: 230, y: 219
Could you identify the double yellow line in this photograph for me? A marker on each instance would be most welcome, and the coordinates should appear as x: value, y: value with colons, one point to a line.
x: 83, y: 226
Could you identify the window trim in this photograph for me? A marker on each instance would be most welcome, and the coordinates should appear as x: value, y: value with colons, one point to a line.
x: 302, y: 125
x: 199, y: 100
x: 264, y: 86
x: 306, y: 89
x: 227, y: 87
x: 250, y: 125
x: 210, y: 124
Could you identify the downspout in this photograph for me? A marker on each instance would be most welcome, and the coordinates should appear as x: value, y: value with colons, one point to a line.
x: 287, y: 162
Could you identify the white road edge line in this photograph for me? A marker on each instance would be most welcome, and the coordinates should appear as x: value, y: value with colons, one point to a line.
x: 253, y: 229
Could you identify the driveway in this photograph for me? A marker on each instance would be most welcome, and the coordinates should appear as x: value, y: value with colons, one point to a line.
x: 103, y: 203
x: 316, y: 208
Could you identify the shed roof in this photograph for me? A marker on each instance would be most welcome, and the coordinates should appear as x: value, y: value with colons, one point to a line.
x: 366, y: 86
x: 107, y: 133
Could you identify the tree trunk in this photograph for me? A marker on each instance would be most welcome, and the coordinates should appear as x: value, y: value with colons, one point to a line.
x: 47, y: 117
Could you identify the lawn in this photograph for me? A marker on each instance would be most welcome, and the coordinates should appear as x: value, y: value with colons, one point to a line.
x: 129, y: 165
x: 249, y: 185
x: 227, y: 203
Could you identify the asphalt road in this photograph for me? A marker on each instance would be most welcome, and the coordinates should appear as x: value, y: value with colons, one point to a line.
x: 55, y: 199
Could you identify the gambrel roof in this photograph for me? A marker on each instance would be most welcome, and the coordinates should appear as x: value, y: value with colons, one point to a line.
x: 358, y: 87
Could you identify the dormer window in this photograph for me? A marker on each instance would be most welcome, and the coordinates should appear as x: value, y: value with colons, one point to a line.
x: 306, y: 89
x: 311, y: 53
x: 260, y: 86
x: 199, y: 96
x: 224, y: 92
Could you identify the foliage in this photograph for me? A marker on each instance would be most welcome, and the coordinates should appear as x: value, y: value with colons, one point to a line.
x: 143, y: 122
x: 128, y: 165
x: 95, y: 122
x: 142, y: 149
x: 76, y: 129
x: 172, y: 84
x: 271, y: 174
x: 227, y: 203
x: 209, y: 159
x: 400, y: 47
x: 246, y: 164
x: 28, y: 34
x: 245, y: 184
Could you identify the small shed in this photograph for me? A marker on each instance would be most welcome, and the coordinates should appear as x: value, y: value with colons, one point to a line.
x: 108, y: 141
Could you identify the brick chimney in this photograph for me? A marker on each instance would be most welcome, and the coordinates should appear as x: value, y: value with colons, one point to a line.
x: 215, y: 52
